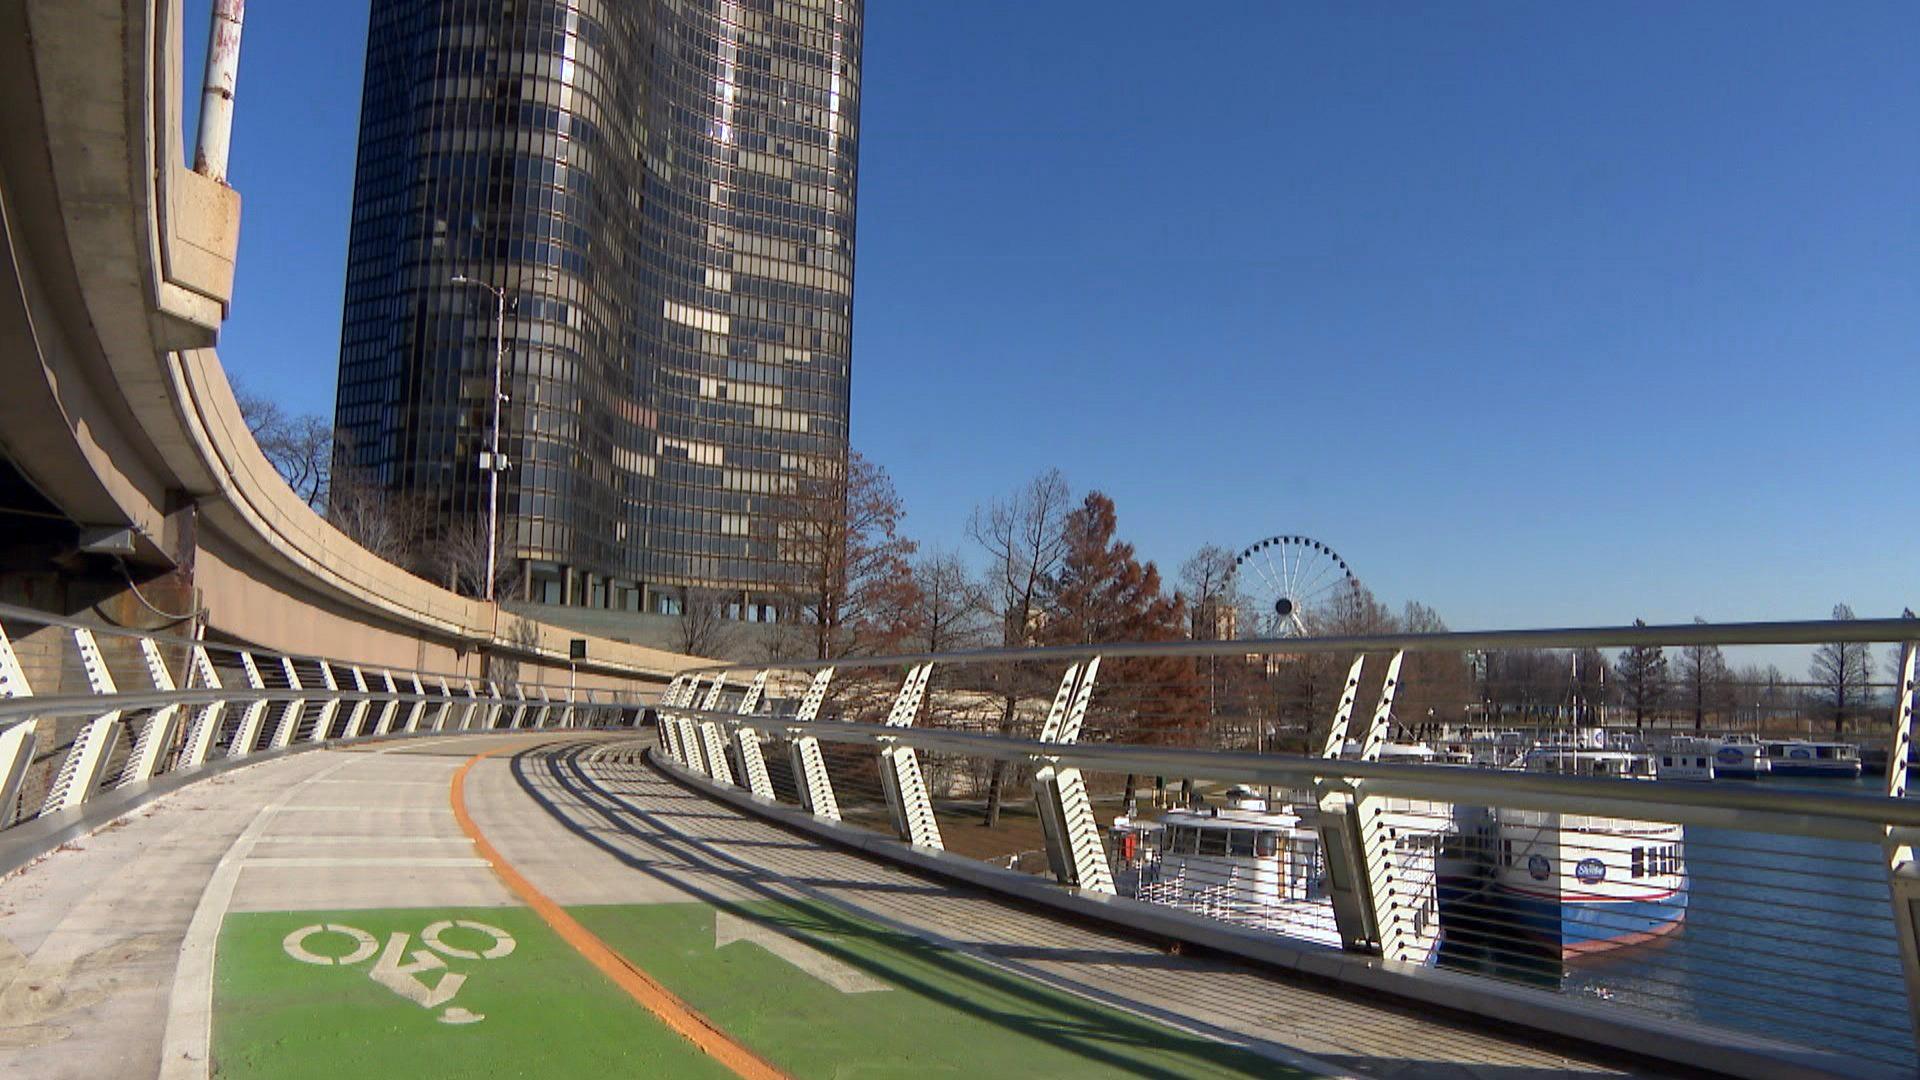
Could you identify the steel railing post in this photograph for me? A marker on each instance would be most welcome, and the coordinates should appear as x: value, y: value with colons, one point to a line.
x: 249, y: 731
x: 86, y: 761
x: 1071, y: 831
x: 156, y: 734
x: 357, y: 716
x: 390, y: 706
x: 1903, y: 872
x: 712, y: 746
x: 471, y: 708
x: 746, y: 741
x: 900, y: 778
x: 296, y: 708
x: 16, y: 742
x: 442, y: 714
x: 419, y: 707
x: 809, y: 766
x: 205, y: 727
x: 330, y: 708
x: 1340, y: 841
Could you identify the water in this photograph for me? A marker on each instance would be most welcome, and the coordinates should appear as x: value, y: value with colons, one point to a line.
x: 1787, y: 937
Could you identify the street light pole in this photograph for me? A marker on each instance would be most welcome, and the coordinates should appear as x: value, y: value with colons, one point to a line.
x: 492, y: 462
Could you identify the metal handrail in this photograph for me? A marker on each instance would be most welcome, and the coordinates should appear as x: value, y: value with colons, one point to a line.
x: 1801, y: 632
x: 14, y: 710
x: 29, y: 615
x: 1663, y: 802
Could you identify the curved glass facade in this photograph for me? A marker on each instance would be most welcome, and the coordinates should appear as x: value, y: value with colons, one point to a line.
x: 666, y: 191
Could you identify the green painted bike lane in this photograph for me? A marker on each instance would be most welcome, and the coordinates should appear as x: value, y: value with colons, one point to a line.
x: 542, y: 1010
x: 814, y: 991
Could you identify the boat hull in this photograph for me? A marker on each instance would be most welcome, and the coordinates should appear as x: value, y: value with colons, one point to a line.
x: 1583, y: 926
x: 1839, y: 770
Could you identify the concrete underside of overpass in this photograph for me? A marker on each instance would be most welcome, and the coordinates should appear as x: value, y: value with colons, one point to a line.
x: 331, y: 914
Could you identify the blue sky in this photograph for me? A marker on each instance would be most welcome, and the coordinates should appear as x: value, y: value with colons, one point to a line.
x: 1541, y: 314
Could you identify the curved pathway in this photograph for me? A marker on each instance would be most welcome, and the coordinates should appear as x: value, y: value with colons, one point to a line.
x: 325, y: 914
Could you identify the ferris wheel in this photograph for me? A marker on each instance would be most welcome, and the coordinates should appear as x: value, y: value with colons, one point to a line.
x: 1286, y: 578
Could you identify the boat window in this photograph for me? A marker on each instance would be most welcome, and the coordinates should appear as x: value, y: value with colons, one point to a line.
x: 1183, y: 840
x: 1241, y: 841
x: 1269, y: 844
x: 1213, y: 841
x: 1639, y: 862
x: 1667, y: 761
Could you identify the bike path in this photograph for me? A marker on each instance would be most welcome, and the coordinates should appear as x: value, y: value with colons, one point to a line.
x: 328, y: 914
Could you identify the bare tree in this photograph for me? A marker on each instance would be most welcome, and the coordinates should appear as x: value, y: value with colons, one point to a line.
x: 384, y: 522
x: 703, y: 628
x: 1705, y: 679
x: 1434, y: 686
x: 1024, y: 539
x: 460, y: 552
x: 1840, y: 673
x: 1212, y: 592
x: 951, y: 612
x: 300, y: 448
x: 852, y: 584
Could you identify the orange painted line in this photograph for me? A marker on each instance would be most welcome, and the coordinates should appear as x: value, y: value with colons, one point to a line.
x: 640, y: 986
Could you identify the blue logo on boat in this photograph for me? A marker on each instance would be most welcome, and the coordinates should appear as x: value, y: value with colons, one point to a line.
x: 1800, y: 752
x: 1727, y: 755
x: 1590, y: 871
x: 1538, y: 867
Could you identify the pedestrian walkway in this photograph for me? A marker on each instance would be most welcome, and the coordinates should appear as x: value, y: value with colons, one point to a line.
x: 327, y: 914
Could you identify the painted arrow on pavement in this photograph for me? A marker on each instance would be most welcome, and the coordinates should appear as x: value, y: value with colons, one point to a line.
x: 845, y: 978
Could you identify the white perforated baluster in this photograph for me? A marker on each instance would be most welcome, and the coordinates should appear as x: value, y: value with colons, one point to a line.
x: 249, y: 732
x: 441, y: 714
x: 357, y: 716
x: 713, y: 747
x: 419, y: 708
x: 900, y: 776
x: 156, y: 734
x: 746, y: 741
x: 809, y: 766
x: 86, y: 760
x: 471, y: 708
x: 391, y: 706
x: 497, y: 705
x: 1075, y: 850
x: 17, y: 739
x: 205, y: 727
x: 290, y: 716
x: 323, y: 727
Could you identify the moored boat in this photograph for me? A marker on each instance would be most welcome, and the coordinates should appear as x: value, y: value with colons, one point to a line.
x: 1740, y: 757
x: 1801, y: 757
x: 1581, y: 884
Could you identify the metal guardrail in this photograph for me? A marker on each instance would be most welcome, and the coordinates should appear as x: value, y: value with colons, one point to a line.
x: 201, y: 702
x: 1775, y: 921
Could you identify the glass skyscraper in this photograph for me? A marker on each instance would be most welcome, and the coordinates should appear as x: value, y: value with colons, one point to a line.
x: 665, y: 189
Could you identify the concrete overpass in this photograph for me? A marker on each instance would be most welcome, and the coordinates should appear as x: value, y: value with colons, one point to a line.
x: 117, y: 416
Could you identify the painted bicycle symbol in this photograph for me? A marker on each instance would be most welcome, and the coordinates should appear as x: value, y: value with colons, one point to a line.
x: 399, y: 970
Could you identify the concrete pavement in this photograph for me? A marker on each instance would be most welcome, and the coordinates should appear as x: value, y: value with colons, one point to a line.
x: 107, y: 965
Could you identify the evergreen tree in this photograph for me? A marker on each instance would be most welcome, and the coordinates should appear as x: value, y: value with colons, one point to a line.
x: 1642, y: 675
